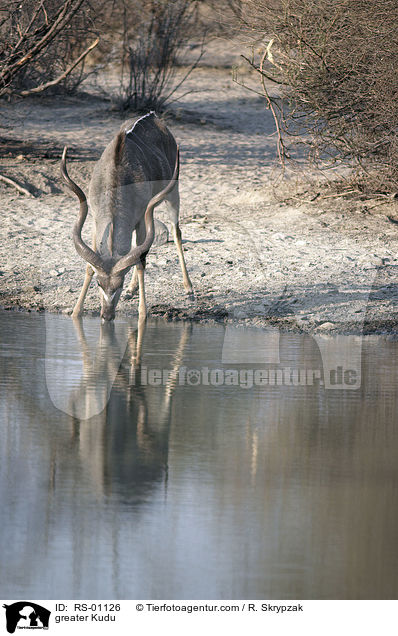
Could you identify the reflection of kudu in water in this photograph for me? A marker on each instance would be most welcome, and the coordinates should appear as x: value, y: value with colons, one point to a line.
x: 126, y: 443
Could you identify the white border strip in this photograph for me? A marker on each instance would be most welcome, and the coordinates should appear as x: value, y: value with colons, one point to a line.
x: 196, y: 617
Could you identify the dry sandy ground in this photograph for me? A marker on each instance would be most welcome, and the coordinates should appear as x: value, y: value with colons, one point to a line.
x: 257, y: 251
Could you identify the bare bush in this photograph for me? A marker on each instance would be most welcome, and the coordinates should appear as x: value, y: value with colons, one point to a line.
x: 337, y: 63
x: 155, y: 35
x: 41, y: 42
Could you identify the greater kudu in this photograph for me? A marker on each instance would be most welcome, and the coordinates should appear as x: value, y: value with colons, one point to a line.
x: 137, y: 171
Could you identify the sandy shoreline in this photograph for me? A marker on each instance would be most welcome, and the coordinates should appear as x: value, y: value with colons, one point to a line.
x: 257, y: 253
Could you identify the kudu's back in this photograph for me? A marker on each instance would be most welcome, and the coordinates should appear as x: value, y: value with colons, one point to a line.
x: 135, y: 166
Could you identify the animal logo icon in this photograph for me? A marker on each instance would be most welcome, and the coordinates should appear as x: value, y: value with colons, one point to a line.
x: 26, y: 614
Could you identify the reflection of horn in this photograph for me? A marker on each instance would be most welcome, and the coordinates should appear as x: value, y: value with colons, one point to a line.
x: 126, y: 442
x: 177, y: 359
x: 135, y: 341
x: 99, y: 372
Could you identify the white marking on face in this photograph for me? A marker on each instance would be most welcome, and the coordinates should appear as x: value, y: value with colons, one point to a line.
x: 107, y: 298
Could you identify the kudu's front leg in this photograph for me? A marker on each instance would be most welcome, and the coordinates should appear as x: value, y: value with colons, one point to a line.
x: 78, y: 309
x: 142, y: 310
x: 139, y: 274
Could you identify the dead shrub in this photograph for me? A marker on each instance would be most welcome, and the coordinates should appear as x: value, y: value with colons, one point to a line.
x: 40, y: 40
x: 155, y: 35
x: 336, y: 62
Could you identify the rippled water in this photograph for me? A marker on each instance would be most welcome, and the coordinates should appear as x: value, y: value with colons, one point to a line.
x: 178, y: 479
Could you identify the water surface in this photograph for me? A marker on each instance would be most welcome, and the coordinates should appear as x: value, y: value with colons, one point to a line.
x: 116, y: 485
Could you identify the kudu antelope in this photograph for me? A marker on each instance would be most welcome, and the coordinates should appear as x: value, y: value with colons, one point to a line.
x: 137, y: 171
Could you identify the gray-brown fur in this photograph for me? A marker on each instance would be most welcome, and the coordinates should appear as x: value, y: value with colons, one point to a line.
x: 135, y: 167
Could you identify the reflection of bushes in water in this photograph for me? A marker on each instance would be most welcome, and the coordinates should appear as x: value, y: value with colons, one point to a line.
x: 24, y: 369
x: 338, y: 63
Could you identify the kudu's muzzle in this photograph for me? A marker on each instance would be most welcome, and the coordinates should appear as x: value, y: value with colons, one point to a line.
x: 107, y: 313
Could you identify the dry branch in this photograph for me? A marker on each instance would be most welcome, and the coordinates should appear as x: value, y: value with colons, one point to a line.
x: 154, y: 37
x: 15, y: 185
x: 60, y: 78
x: 28, y: 33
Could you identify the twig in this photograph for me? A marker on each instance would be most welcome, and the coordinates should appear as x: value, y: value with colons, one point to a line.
x: 256, y: 68
x: 187, y: 74
x: 62, y: 18
x: 281, y: 149
x: 280, y: 145
x: 376, y: 205
x: 339, y: 194
x: 245, y: 86
x: 16, y: 185
x: 43, y: 87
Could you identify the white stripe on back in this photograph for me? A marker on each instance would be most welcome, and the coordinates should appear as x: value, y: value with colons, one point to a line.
x: 151, y: 112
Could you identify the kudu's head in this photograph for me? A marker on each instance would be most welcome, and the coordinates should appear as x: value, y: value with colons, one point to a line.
x: 110, y: 274
x: 110, y: 288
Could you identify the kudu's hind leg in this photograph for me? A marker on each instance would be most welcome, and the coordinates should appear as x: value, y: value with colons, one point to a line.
x: 140, y: 269
x: 173, y: 204
x: 141, y: 286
